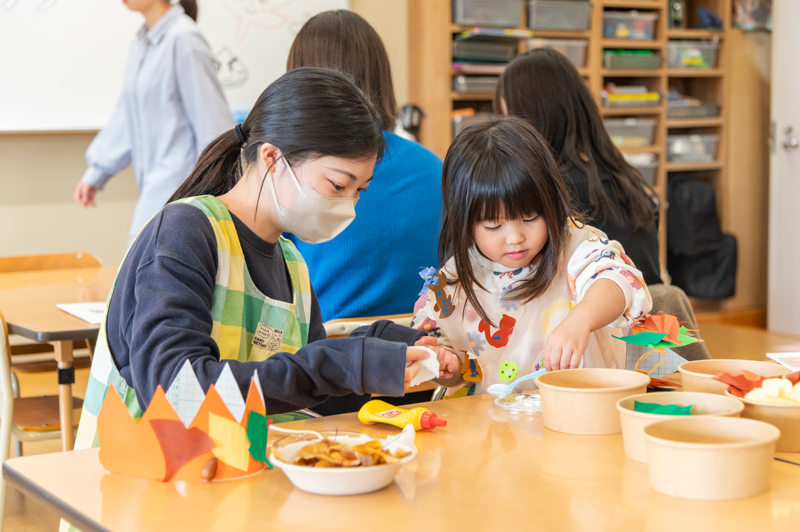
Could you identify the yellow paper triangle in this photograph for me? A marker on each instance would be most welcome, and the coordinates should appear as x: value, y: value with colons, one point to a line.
x: 231, y: 439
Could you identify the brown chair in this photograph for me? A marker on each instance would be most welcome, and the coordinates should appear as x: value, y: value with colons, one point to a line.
x: 27, y: 419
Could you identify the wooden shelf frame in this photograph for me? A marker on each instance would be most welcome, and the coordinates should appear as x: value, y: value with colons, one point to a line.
x: 431, y: 33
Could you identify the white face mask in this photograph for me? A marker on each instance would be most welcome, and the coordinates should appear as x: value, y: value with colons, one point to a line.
x: 313, y: 218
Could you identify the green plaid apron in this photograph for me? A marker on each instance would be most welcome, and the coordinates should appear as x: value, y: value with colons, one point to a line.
x: 248, y: 326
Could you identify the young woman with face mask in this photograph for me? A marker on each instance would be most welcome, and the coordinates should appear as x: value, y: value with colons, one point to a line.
x: 210, y: 281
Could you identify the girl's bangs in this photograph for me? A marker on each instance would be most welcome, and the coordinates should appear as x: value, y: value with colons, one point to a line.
x: 502, y: 189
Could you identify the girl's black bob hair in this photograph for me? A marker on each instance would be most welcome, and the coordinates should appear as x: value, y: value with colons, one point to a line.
x: 502, y: 169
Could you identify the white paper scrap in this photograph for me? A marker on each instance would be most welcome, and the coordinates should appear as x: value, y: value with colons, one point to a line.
x: 789, y: 360
x: 88, y: 312
x: 185, y: 394
x: 429, y: 368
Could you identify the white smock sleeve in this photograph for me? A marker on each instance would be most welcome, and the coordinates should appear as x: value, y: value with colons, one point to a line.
x: 200, y: 90
x: 597, y: 257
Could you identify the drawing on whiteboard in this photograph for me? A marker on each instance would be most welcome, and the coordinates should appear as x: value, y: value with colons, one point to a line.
x: 262, y: 14
x: 45, y: 5
x: 8, y: 4
x: 232, y: 72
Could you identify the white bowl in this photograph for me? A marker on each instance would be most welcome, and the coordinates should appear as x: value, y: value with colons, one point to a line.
x: 338, y: 480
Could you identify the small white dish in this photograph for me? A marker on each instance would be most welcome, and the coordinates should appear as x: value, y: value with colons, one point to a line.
x: 341, y: 480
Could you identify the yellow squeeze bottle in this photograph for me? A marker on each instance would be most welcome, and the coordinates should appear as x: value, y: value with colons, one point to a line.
x: 381, y: 412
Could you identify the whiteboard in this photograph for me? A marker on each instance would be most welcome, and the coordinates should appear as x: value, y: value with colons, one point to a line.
x: 62, y: 62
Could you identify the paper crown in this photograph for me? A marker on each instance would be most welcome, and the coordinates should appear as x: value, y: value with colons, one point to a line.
x: 186, y: 434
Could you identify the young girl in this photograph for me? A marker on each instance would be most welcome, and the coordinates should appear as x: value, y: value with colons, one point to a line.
x: 525, y: 284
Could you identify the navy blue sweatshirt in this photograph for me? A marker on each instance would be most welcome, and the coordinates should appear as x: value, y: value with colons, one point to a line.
x: 159, y: 316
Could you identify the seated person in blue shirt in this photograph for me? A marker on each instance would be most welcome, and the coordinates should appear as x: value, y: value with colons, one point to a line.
x: 373, y: 267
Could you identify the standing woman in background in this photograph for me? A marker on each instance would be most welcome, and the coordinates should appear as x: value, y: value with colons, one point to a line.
x: 171, y: 106
x: 373, y: 267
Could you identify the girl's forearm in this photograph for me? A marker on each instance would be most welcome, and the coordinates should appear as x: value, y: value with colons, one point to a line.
x: 603, y: 303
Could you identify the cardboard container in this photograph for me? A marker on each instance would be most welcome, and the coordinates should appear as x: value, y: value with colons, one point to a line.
x: 710, y: 458
x: 697, y: 376
x: 633, y: 423
x: 583, y: 401
x: 785, y: 417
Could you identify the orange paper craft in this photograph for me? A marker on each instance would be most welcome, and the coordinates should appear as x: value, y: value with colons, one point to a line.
x: 160, y: 447
x: 660, y: 323
x: 739, y: 385
x: 794, y: 378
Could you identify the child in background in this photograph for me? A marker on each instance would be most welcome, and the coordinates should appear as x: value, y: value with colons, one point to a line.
x: 525, y: 284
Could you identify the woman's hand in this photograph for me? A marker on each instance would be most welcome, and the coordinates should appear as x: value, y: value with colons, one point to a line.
x: 566, y: 344
x: 84, y: 194
x: 449, y: 363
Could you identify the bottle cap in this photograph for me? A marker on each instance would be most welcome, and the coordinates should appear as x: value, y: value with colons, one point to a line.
x: 429, y: 421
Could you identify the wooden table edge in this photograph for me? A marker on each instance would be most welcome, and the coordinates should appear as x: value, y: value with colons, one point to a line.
x: 59, y: 336
x: 49, y: 501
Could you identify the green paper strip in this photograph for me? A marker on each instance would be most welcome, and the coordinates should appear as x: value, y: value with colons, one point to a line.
x: 643, y: 338
x: 664, y: 410
x: 257, y: 431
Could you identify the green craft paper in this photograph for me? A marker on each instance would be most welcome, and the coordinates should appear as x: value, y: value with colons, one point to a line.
x: 665, y: 410
x: 643, y: 338
x: 257, y: 430
x: 653, y: 339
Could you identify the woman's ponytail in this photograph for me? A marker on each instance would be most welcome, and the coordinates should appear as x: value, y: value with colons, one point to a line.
x: 307, y: 112
x: 217, y: 171
x: 190, y: 7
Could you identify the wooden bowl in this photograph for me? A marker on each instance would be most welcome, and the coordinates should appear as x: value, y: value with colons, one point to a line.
x: 710, y: 458
x: 697, y: 376
x: 583, y: 401
x: 785, y: 417
x: 633, y: 423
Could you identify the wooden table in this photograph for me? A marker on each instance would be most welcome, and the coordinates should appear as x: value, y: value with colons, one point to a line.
x: 484, y: 471
x: 28, y: 301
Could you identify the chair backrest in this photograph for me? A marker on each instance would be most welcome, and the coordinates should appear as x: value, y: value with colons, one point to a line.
x: 344, y: 326
x: 53, y: 261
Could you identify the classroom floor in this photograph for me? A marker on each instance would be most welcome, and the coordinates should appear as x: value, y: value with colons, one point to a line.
x: 24, y: 515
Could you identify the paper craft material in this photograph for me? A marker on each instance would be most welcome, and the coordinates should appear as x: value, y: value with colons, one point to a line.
x: 88, y: 312
x: 211, y: 444
x: 429, y: 368
x: 665, y: 410
x: 739, y: 385
x: 776, y: 391
x: 658, y: 333
x: 789, y: 360
x: 649, y: 365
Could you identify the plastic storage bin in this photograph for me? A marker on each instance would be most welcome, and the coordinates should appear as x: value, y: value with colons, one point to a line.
x: 691, y: 148
x: 632, y: 25
x: 497, y: 52
x: 704, y: 110
x: 571, y: 15
x: 475, y: 83
x: 573, y: 49
x: 646, y: 99
x: 631, y: 132
x: 692, y: 54
x: 646, y: 164
x: 487, y: 12
x: 642, y: 59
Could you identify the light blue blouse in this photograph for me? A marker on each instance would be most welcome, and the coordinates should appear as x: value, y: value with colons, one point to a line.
x: 172, y: 106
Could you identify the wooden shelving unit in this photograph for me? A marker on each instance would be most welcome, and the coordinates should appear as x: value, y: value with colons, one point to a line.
x: 430, y: 85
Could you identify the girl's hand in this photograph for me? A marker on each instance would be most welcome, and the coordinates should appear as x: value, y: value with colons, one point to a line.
x: 84, y: 194
x: 566, y: 344
x: 449, y: 363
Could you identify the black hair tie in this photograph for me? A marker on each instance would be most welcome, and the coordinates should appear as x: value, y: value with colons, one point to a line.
x: 239, y: 133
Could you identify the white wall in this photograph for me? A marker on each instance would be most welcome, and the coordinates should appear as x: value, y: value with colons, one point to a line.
x: 38, y: 172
